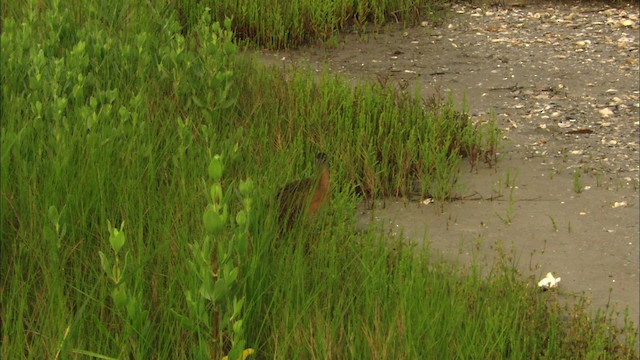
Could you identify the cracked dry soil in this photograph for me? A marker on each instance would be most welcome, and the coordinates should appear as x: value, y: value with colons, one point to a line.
x: 562, y: 81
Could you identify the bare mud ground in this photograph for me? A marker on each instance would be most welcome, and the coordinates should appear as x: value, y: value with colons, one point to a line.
x: 562, y: 80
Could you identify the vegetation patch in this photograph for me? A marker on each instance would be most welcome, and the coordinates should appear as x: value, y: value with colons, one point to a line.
x: 140, y: 164
x: 283, y: 24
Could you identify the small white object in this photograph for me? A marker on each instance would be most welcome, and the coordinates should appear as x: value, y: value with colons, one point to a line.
x: 626, y: 23
x: 606, y: 112
x: 583, y: 43
x: 548, y: 282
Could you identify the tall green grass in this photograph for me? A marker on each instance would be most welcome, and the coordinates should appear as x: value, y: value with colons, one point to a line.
x: 273, y: 24
x: 383, y: 143
x: 111, y: 115
x: 281, y: 24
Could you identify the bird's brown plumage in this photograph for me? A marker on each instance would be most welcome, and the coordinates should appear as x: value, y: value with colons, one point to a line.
x: 307, y: 196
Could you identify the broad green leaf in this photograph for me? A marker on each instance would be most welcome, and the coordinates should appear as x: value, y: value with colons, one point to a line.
x: 246, y: 187
x: 237, y: 327
x: 54, y: 216
x: 105, y: 263
x: 237, y: 306
x: 216, y: 167
x: 119, y: 296
x: 213, y: 222
x: 216, y: 193
x: 220, y: 290
x: 117, y: 240
x: 241, y: 218
x: 197, y: 101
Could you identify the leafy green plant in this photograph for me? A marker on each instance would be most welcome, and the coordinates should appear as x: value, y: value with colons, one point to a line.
x: 128, y: 305
x: 221, y: 330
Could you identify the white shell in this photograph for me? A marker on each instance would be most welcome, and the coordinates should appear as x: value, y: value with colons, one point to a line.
x: 548, y: 282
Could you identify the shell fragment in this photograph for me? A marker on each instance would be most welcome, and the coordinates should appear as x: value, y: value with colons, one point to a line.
x: 548, y: 282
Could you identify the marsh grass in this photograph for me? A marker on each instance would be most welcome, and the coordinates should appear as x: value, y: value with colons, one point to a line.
x: 578, y: 186
x: 384, y: 143
x: 283, y: 24
x: 112, y: 113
